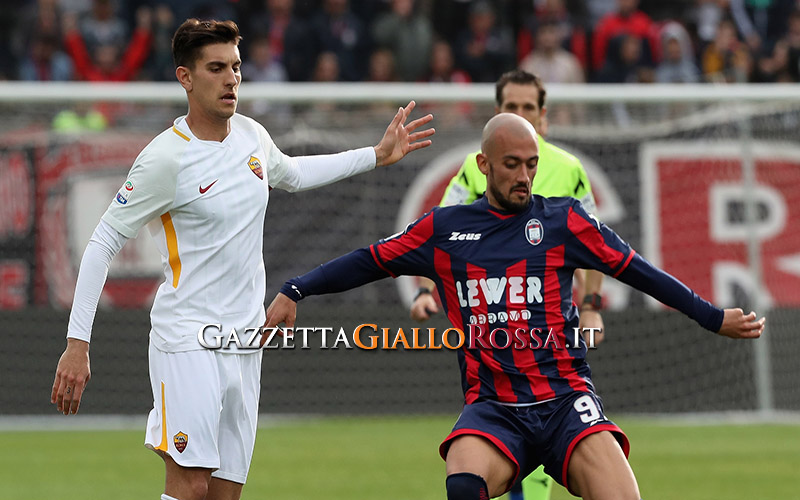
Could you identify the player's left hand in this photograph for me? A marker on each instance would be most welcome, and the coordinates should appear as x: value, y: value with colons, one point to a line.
x: 591, y: 318
x: 72, y: 374
x: 737, y: 325
x: 281, y: 310
x: 400, y: 139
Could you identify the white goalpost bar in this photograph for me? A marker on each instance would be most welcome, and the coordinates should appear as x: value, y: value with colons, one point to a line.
x: 45, y: 92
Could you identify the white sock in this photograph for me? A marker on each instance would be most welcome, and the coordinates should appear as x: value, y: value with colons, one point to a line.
x: 167, y: 497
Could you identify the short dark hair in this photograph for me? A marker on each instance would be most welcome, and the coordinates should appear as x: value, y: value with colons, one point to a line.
x: 193, y: 35
x: 520, y: 77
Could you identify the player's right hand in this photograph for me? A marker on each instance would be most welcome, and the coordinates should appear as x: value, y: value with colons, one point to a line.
x: 281, y: 310
x: 72, y: 375
x: 737, y: 325
x: 424, y: 307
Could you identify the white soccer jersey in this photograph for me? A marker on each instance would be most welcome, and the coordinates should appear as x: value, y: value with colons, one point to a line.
x: 204, y: 203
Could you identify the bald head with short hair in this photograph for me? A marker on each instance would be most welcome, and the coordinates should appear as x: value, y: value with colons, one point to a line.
x: 507, y: 124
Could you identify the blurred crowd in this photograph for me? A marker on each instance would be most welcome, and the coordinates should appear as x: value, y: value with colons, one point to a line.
x: 563, y: 41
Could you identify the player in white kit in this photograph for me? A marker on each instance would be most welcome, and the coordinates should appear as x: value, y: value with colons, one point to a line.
x: 202, y: 188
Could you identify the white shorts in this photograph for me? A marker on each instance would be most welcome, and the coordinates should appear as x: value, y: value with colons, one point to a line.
x: 205, y: 409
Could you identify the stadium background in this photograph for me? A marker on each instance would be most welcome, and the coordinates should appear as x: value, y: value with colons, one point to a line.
x: 702, y: 179
x: 55, y: 187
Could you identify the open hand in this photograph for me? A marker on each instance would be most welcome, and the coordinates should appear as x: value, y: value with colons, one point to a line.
x: 400, y: 139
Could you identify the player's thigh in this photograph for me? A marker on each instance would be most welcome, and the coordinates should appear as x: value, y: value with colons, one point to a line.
x: 184, y: 421
x: 497, y: 449
x: 240, y: 376
x: 477, y: 455
x: 571, y: 422
x: 598, y: 469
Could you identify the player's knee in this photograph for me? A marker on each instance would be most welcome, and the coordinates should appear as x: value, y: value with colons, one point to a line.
x: 466, y: 486
x: 195, y: 487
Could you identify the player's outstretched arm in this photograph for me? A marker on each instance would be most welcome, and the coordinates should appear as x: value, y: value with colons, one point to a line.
x: 737, y: 325
x: 282, y: 309
x: 72, y: 375
x: 400, y: 139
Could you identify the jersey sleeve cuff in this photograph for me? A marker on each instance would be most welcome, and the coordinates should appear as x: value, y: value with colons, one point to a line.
x: 119, y: 226
x: 365, y: 159
x: 86, y: 337
x: 291, y: 290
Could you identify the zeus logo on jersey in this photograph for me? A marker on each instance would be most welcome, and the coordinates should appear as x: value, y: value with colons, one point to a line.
x: 457, y: 236
x: 520, y: 290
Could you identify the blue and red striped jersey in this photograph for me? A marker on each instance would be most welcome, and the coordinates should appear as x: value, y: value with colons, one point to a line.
x: 507, y: 277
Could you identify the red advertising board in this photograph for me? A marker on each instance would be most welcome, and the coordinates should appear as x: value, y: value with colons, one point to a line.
x: 695, y: 224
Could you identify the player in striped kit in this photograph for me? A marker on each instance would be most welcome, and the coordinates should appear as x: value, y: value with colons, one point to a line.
x: 202, y: 188
x: 524, y: 406
x: 559, y: 173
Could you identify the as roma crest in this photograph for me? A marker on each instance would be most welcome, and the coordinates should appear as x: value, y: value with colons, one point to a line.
x: 255, y: 166
x: 534, y: 231
x: 180, y: 441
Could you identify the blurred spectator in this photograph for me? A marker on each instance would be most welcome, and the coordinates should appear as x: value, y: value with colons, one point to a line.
x: 326, y: 68
x: 289, y: 38
x: 677, y: 65
x: 626, y: 61
x: 571, y: 36
x: 102, y: 27
x: 485, y: 50
x: 45, y: 61
x: 381, y: 66
x: 260, y: 65
x: 271, y: 23
x: 408, y: 35
x: 549, y: 60
x: 74, y: 6
x: 106, y: 62
x: 742, y: 66
x: 160, y: 66
x: 38, y: 20
x: 708, y: 15
x: 598, y: 9
x: 723, y: 59
x: 335, y: 29
x: 627, y: 20
x: 447, y: 16
x: 783, y: 65
x: 442, y: 68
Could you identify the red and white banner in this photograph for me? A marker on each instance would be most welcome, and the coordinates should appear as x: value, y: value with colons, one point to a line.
x: 694, y: 222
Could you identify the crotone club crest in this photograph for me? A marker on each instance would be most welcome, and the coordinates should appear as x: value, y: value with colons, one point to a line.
x: 181, y: 440
x: 255, y: 166
x: 534, y: 231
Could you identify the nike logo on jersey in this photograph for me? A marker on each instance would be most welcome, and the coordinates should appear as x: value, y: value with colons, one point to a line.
x: 456, y: 236
x: 204, y: 189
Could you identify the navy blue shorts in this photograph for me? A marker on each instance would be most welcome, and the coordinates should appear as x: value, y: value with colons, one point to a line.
x: 542, y: 434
